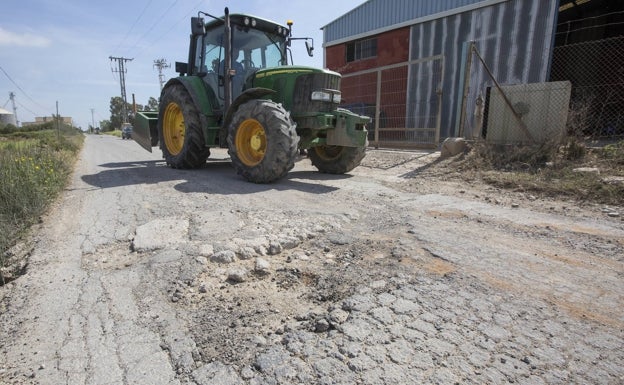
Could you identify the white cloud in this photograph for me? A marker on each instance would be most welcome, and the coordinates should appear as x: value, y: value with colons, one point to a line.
x: 8, y: 38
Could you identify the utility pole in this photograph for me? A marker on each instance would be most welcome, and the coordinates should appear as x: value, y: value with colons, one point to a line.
x: 92, y: 121
x: 58, y: 123
x: 12, y: 97
x: 160, y: 64
x: 122, y: 81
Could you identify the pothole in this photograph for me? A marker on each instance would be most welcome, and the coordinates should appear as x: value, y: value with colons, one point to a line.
x: 110, y: 257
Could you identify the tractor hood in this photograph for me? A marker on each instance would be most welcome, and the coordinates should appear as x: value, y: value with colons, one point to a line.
x: 300, y: 89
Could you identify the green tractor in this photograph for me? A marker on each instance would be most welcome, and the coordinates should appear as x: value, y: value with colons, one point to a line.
x: 238, y: 91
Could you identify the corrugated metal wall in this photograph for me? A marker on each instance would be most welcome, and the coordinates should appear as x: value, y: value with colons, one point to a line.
x: 515, y: 39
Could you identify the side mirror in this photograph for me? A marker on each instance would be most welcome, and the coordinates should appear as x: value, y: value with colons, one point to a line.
x: 181, y: 68
x: 309, y: 48
x: 197, y: 26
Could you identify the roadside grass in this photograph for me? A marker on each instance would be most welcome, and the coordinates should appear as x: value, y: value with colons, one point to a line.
x: 116, y: 133
x: 572, y: 171
x: 34, y: 167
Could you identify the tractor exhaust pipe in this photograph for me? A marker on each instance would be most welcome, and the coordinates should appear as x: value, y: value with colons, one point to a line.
x: 227, y: 76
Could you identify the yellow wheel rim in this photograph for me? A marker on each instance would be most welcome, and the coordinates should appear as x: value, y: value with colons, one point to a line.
x: 328, y: 153
x: 173, y: 128
x: 251, y: 142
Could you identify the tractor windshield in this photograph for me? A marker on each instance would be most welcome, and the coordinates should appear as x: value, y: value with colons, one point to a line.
x: 252, y: 49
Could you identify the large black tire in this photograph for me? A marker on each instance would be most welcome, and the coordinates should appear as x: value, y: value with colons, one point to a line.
x: 336, y: 159
x: 179, y: 129
x: 262, y: 141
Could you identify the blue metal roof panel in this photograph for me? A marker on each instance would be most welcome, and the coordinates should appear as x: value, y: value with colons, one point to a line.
x: 379, y: 14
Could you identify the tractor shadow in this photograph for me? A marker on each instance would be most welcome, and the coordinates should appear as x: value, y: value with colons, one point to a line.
x: 215, y: 177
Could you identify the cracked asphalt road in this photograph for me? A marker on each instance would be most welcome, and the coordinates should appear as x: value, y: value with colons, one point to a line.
x: 142, y: 274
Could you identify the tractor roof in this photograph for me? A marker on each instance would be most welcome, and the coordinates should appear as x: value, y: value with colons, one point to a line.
x: 239, y: 19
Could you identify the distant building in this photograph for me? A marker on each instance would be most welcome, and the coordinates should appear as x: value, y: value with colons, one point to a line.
x: 44, y: 119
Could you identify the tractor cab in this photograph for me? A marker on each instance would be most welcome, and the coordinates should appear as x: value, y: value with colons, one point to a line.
x: 253, y: 44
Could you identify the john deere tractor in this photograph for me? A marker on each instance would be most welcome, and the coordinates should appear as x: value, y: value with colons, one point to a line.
x: 237, y: 90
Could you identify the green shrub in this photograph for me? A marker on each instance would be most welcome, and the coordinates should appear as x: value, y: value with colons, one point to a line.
x: 34, y: 167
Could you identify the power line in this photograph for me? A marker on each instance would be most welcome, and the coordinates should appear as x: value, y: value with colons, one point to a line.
x: 20, y: 88
x: 153, y: 25
x: 185, y: 17
x: 173, y: 25
x: 133, y: 25
x: 26, y: 108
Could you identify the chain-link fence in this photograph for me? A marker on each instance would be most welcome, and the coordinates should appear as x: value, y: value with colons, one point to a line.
x: 403, y: 100
x: 584, y: 98
x: 596, y: 71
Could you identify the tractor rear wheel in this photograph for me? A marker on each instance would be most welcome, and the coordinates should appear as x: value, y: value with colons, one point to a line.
x: 262, y: 141
x: 336, y: 159
x: 179, y: 130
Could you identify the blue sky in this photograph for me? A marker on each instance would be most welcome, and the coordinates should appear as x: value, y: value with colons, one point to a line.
x: 58, y: 50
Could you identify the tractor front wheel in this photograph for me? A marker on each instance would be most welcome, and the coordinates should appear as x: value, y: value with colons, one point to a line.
x: 262, y: 141
x: 179, y: 129
x: 336, y: 159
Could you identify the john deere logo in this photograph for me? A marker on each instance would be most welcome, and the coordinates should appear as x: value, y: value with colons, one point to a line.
x: 282, y: 71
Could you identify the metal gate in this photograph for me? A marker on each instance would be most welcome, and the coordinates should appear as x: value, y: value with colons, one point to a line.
x: 404, y: 101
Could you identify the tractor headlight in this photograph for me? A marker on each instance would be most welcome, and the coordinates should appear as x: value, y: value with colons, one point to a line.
x: 324, y: 96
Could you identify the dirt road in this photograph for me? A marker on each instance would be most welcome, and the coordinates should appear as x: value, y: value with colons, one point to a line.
x: 142, y: 274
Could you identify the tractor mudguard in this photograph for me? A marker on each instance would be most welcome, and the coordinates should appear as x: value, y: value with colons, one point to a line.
x: 247, y: 95
x: 203, y: 97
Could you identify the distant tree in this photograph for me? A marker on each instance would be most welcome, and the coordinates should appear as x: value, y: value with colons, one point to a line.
x: 152, y: 104
x: 116, y: 118
x: 116, y: 111
x: 105, y: 125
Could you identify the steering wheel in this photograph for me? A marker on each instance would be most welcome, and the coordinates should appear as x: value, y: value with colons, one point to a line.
x: 247, y: 64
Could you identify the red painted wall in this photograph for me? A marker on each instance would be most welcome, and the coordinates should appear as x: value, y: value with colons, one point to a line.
x: 392, y: 48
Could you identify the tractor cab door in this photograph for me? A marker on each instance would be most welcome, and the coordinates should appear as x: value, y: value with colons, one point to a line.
x: 211, y: 64
x: 210, y: 68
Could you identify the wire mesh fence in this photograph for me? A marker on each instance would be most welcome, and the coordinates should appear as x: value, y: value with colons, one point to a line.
x: 596, y: 71
x: 584, y: 98
x: 403, y: 101
x: 531, y: 113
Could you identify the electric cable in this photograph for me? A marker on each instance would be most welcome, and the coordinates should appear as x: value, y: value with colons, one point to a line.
x: 173, y: 25
x: 27, y: 109
x: 133, y: 25
x: 131, y: 49
x: 20, y: 88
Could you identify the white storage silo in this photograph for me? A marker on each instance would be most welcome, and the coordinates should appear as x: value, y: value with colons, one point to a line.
x: 7, y: 117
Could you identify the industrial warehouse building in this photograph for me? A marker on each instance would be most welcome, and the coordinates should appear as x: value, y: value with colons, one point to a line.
x: 409, y: 64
